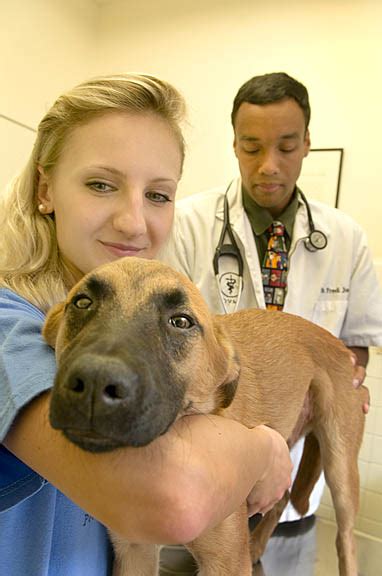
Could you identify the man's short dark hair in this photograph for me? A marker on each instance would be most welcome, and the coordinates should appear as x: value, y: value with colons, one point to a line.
x: 270, y: 88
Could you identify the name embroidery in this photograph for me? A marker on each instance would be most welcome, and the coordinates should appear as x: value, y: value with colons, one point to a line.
x: 338, y: 290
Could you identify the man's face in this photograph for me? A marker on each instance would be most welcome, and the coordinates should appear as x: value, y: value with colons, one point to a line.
x: 270, y: 144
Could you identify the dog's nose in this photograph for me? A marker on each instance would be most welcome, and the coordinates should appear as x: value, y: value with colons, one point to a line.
x: 101, y: 382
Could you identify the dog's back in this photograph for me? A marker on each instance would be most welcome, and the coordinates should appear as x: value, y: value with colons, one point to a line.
x: 283, y: 363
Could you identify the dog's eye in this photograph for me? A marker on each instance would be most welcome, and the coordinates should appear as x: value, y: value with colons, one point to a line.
x: 183, y: 322
x: 81, y: 301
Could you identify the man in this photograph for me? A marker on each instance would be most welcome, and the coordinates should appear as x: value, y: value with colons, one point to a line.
x: 326, y: 277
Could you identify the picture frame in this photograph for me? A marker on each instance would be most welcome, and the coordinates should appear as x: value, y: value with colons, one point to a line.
x: 320, y: 177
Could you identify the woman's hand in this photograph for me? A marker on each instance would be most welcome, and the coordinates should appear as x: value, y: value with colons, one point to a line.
x: 276, y: 479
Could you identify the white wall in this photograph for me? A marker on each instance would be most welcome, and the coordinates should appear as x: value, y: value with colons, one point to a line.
x: 46, y: 46
x: 208, y: 48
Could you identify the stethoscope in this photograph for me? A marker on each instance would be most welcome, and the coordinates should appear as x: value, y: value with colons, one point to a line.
x: 228, y: 262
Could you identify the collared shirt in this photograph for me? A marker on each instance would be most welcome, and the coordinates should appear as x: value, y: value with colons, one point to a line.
x: 260, y: 219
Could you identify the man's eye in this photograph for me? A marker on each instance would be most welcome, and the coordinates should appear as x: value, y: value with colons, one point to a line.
x: 251, y: 150
x: 181, y: 321
x: 82, y: 301
x: 287, y: 150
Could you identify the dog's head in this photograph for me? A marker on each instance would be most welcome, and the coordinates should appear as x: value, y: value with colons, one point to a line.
x: 136, y: 348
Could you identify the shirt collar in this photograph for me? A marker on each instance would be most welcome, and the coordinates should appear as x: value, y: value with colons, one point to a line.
x: 260, y: 218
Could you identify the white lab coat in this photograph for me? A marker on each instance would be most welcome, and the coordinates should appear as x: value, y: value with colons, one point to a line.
x: 336, y: 288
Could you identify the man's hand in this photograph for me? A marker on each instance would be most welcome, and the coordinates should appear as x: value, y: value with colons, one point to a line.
x: 360, y: 358
x: 276, y: 478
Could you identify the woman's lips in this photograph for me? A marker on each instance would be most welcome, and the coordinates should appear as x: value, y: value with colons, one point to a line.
x: 122, y: 249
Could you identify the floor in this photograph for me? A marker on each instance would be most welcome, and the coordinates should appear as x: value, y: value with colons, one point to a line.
x: 369, y: 553
x: 325, y: 562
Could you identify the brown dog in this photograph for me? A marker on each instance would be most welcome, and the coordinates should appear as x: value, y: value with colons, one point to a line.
x: 254, y: 366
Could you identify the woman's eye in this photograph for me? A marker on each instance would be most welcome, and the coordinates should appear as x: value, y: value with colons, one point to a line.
x: 100, y: 186
x: 81, y: 301
x: 181, y: 321
x: 158, y: 197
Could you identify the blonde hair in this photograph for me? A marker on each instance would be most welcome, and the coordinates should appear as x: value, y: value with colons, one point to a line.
x: 30, y: 261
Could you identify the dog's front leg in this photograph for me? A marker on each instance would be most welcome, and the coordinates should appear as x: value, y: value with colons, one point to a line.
x: 134, y: 559
x: 224, y: 550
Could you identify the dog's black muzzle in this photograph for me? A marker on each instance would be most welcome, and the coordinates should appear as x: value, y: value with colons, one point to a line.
x: 105, y: 401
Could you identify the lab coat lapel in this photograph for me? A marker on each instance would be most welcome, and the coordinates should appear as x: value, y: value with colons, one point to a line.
x: 243, y: 230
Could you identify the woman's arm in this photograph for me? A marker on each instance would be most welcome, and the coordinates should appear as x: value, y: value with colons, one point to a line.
x: 191, y: 478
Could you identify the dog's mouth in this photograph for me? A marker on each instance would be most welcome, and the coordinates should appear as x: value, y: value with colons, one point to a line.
x: 91, y: 441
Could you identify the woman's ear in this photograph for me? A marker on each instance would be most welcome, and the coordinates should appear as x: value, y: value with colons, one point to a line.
x: 44, y: 193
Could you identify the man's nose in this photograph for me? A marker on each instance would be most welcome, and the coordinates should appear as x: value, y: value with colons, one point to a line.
x: 269, y: 164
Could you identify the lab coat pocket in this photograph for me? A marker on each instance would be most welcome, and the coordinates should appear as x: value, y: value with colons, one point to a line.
x: 330, y: 314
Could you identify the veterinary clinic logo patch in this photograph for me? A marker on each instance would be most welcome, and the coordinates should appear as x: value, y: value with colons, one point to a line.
x: 229, y: 285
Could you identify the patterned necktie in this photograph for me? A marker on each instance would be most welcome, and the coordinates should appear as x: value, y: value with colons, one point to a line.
x: 275, y: 267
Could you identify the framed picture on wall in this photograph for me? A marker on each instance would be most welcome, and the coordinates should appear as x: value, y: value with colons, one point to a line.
x: 320, y: 177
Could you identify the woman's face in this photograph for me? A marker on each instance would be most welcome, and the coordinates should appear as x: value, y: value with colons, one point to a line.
x: 113, y: 189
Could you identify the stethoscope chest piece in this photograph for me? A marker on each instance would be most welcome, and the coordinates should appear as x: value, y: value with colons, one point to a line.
x: 316, y: 241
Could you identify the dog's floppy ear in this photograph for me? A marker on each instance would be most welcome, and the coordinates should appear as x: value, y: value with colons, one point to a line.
x: 52, y: 323
x: 226, y: 391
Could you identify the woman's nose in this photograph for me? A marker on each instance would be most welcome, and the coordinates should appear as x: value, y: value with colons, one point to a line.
x: 129, y: 216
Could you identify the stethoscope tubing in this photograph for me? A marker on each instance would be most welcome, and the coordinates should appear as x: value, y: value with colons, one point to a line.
x: 231, y: 249
x: 316, y: 240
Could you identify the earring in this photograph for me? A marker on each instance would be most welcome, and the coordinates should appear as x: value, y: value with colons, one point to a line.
x: 42, y: 208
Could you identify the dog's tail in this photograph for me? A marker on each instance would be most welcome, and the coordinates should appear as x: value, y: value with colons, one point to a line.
x: 308, y: 473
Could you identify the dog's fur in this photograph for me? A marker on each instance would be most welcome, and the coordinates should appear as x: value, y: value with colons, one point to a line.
x: 137, y: 348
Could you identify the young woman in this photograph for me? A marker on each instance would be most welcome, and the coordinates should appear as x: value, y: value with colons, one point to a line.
x: 100, y: 184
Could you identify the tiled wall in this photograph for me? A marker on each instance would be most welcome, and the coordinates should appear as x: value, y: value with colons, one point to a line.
x: 369, y: 520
